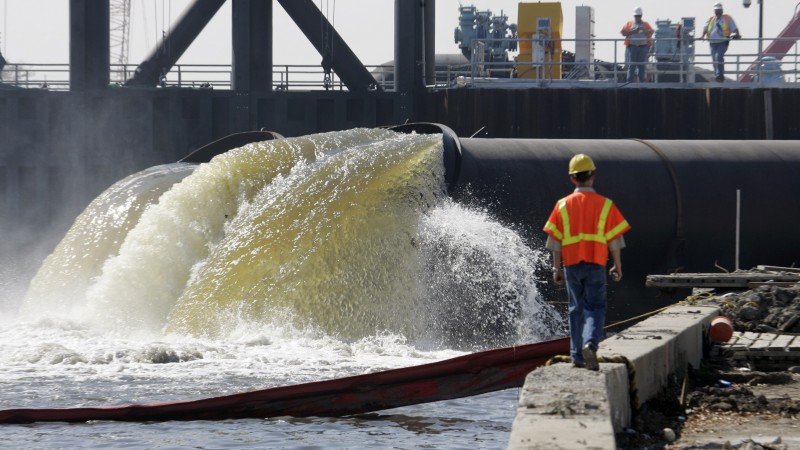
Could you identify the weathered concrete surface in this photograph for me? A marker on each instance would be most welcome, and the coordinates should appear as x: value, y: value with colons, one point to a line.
x: 562, y: 407
x: 662, y: 345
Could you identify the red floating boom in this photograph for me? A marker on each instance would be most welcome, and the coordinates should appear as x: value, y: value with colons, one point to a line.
x: 464, y: 376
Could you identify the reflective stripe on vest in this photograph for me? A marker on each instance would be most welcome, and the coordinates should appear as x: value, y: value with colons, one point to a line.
x: 567, y: 238
x: 726, y: 25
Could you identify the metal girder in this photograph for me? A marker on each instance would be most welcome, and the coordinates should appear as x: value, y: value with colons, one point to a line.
x: 186, y: 29
x: 334, y: 50
x: 252, y: 45
x: 88, y: 44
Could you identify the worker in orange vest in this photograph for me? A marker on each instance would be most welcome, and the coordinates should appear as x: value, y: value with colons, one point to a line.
x: 637, y: 34
x: 582, y: 230
x: 720, y: 29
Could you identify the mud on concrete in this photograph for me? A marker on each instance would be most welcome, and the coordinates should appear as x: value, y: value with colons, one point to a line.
x: 722, y: 405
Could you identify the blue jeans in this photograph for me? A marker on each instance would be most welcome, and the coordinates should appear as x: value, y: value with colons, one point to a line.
x: 586, y: 287
x: 637, y: 60
x: 718, y: 50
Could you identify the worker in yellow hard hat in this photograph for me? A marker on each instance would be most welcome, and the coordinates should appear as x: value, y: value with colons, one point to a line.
x: 583, y: 228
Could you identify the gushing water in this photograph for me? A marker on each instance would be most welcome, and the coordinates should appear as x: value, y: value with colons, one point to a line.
x: 347, y: 233
x: 277, y: 263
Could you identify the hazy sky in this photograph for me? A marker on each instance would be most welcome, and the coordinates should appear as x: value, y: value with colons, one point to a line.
x: 36, y: 31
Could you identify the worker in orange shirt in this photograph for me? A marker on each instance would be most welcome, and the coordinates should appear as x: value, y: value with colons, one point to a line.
x: 582, y: 230
x: 637, y: 34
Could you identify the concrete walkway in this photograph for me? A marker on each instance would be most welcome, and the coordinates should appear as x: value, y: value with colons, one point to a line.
x: 562, y: 407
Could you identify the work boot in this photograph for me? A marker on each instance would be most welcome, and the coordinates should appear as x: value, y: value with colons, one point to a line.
x: 720, y: 78
x: 578, y: 364
x: 590, y: 357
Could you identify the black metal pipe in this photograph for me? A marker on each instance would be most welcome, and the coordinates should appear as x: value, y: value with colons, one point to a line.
x: 679, y: 196
x: 220, y: 146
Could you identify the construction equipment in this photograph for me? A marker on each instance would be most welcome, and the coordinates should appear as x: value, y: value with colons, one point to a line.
x: 540, y: 29
x: 486, y: 38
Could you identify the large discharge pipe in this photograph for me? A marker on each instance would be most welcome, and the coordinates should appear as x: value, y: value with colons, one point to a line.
x: 679, y: 196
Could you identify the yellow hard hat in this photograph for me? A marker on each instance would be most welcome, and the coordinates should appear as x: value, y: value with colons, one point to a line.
x: 581, y: 163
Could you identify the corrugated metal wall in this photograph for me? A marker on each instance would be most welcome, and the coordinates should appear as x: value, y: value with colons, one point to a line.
x: 647, y: 113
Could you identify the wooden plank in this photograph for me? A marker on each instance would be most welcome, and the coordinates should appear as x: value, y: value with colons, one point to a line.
x: 734, y: 340
x: 718, y: 279
x: 740, y: 344
x: 772, y: 283
x: 795, y: 344
x: 783, y: 341
x: 779, y: 269
x: 750, y: 338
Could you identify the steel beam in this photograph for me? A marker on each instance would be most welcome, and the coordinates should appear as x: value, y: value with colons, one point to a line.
x: 187, y: 28
x: 334, y: 50
x: 414, y: 52
x: 407, y: 33
x: 89, y: 44
x: 252, y: 45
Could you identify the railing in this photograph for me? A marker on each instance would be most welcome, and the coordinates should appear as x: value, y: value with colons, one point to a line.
x: 687, y: 65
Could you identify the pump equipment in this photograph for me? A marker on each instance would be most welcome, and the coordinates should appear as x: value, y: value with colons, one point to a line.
x: 686, y: 42
x: 542, y: 48
x: 497, y: 36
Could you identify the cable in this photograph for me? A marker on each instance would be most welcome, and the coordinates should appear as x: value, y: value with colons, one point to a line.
x: 688, y: 300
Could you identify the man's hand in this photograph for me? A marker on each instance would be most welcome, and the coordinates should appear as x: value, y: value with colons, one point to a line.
x: 558, y: 276
x: 615, y: 273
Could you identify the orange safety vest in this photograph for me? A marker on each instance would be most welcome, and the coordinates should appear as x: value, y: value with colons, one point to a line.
x: 584, y: 223
x: 726, y: 25
x: 648, y: 30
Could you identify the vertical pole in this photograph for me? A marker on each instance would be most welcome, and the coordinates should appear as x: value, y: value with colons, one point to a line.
x: 407, y: 56
x: 89, y: 47
x: 738, y: 218
x: 760, y: 30
x: 429, y: 33
x: 769, y: 129
x: 252, y: 45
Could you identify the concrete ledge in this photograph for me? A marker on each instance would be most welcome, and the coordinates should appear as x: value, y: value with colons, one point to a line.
x: 662, y: 345
x: 562, y: 407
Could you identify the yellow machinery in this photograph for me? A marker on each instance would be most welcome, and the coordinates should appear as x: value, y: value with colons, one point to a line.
x: 539, y: 32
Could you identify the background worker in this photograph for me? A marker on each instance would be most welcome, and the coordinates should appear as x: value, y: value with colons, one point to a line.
x: 720, y: 29
x: 582, y: 229
x: 637, y: 34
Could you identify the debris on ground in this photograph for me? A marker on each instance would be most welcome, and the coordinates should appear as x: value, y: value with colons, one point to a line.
x: 724, y: 399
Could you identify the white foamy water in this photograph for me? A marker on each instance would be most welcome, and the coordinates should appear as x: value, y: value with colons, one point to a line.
x: 278, y: 263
